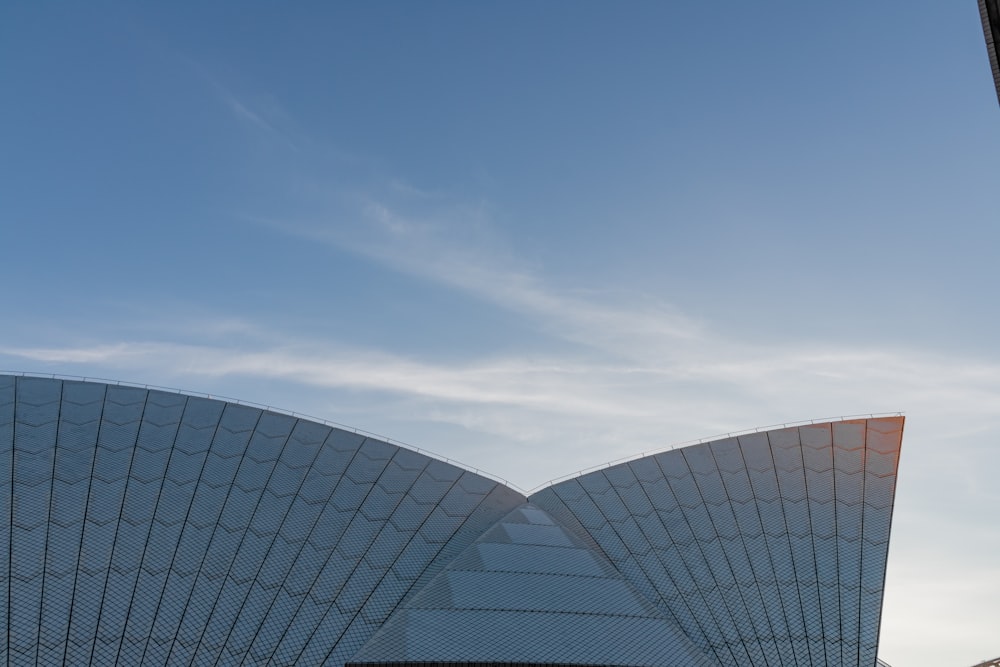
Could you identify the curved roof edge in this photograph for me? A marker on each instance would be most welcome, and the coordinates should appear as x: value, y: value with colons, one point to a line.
x: 269, y: 408
x: 709, y: 439
x: 440, y: 457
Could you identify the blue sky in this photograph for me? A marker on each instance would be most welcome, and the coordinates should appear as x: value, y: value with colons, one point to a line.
x: 534, y: 237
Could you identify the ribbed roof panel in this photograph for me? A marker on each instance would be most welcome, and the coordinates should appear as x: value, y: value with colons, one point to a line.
x: 147, y: 527
x: 767, y: 549
x: 529, y: 591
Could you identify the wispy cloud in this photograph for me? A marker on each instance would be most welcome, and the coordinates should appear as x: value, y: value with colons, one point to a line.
x: 242, y: 109
x: 454, y: 247
x: 541, y: 384
x: 654, y: 404
x: 640, y: 373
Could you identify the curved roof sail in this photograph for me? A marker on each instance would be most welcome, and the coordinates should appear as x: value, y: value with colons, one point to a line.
x: 766, y: 549
x: 145, y: 526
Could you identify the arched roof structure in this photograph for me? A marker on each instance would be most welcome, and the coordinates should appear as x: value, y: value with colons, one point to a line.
x: 766, y: 549
x: 149, y: 527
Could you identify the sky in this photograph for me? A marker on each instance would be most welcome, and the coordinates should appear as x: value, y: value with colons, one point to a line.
x: 534, y: 237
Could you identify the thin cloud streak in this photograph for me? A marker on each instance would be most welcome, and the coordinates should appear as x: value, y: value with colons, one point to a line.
x: 237, y: 106
x: 639, y: 367
x: 775, y: 384
x: 424, y: 248
x: 513, y: 382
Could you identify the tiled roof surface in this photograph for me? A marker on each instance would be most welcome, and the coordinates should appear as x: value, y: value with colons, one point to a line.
x: 156, y: 528
x: 149, y: 527
x: 529, y: 591
x: 765, y: 549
